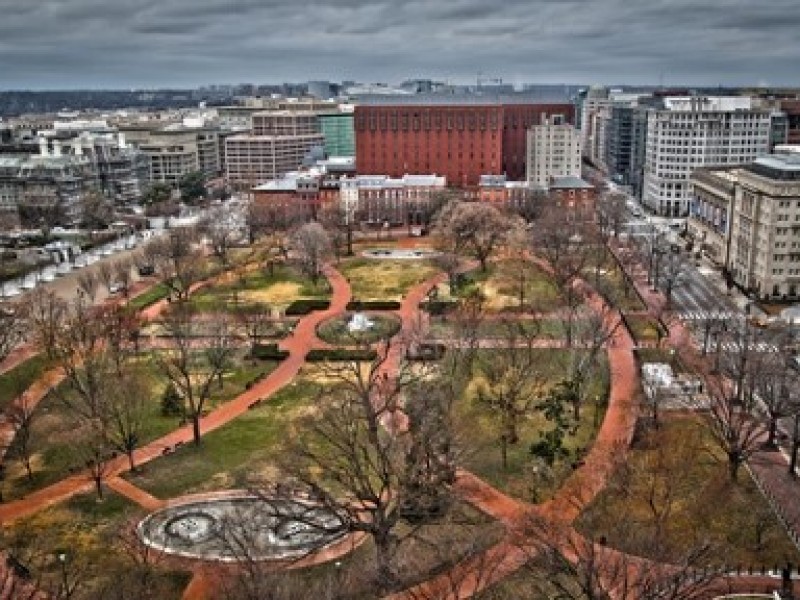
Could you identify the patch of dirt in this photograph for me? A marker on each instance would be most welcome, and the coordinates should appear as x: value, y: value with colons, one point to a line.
x: 278, y: 293
x: 16, y: 470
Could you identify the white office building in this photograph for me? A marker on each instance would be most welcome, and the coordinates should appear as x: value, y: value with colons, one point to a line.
x: 691, y: 132
x: 554, y: 150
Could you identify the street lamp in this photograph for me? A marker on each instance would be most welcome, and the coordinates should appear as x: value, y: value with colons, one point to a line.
x: 64, y: 592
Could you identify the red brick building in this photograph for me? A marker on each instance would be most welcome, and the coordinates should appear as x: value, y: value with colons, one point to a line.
x: 460, y: 141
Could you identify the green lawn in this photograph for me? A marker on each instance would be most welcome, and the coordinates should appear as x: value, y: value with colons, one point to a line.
x: 500, y: 286
x: 258, y: 285
x: 702, y: 506
x: 20, y: 378
x: 480, y: 434
x: 608, y: 278
x: 149, y: 297
x: 645, y: 328
x: 550, y: 329
x: 56, y: 431
x: 93, y: 537
x: 375, y: 279
x: 231, y: 455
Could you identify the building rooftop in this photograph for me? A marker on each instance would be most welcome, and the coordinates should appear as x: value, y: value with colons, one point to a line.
x: 569, y: 182
x: 708, y: 103
x: 458, y: 99
x: 384, y: 181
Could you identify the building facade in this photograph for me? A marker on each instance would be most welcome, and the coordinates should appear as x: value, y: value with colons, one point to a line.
x: 764, y: 251
x: 625, y: 146
x: 712, y: 191
x: 554, y: 150
x: 747, y: 218
x: 457, y: 137
x: 176, y: 150
x: 339, y: 132
x: 379, y: 199
x: 692, y: 132
x: 254, y: 159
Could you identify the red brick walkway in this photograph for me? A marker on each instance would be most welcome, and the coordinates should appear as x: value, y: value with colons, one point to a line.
x: 298, y: 344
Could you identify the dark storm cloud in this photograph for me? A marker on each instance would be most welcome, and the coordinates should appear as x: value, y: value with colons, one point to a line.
x: 124, y: 43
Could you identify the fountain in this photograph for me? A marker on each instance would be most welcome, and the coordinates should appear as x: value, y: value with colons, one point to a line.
x: 359, y: 322
x: 399, y: 254
x: 275, y: 529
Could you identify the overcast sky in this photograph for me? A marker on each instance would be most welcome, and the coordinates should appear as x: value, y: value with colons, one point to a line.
x: 48, y: 44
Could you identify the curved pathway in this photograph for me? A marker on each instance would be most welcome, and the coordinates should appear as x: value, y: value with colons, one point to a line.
x: 612, y: 441
x: 298, y: 344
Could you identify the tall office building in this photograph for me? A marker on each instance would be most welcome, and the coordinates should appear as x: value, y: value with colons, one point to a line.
x: 691, y: 132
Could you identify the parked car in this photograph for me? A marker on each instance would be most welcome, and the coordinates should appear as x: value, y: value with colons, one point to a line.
x: 146, y: 270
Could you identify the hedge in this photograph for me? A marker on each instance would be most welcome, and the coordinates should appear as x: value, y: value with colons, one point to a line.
x: 373, y: 305
x: 303, y: 307
x: 340, y: 354
x: 268, y: 352
x: 439, y: 307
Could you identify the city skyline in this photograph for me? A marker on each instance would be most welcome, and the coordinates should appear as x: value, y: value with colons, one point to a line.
x: 142, y: 43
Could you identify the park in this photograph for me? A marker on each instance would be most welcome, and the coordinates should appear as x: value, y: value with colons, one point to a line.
x: 457, y: 415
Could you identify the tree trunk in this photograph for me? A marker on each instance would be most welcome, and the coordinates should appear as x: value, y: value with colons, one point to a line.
x: 504, y: 451
x: 131, y: 460
x: 196, y: 427
x: 772, y: 432
x: 733, y: 467
x: 98, y: 485
x: 383, y: 561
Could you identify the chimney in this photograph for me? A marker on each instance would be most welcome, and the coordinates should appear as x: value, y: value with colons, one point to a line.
x: 56, y: 148
x: 77, y: 147
x: 121, y: 139
x: 43, y: 149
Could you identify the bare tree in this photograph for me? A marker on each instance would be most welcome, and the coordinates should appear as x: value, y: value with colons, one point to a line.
x: 591, y: 334
x: 566, y: 244
x: 311, y: 247
x: 123, y: 275
x: 566, y: 565
x: 449, y: 263
x: 13, y: 325
x: 475, y: 228
x: 95, y: 453
x: 21, y: 415
x: 190, y: 368
x: 776, y: 385
x: 105, y: 274
x: 88, y: 283
x: 125, y: 412
x: 517, y: 267
x: 81, y: 352
x: 47, y: 316
x: 672, y: 272
x: 177, y: 260
x: 357, y: 455
x: 511, y: 382
x: 256, y: 320
x: 612, y: 212
x: 732, y: 398
x: 221, y: 232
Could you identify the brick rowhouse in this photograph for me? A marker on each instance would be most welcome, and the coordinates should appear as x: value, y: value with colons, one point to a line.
x: 461, y: 142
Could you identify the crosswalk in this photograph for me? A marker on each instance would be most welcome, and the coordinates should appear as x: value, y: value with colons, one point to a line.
x: 762, y: 347
x: 708, y: 315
